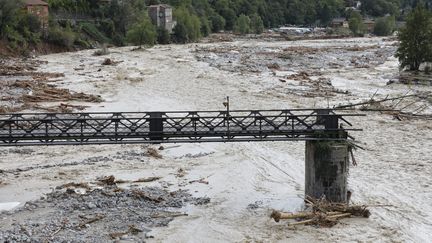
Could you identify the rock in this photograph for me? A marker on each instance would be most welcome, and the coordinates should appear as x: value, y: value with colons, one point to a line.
x: 91, y: 205
x: 107, y: 61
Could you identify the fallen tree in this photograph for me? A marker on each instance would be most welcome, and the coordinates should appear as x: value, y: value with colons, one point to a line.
x: 322, y: 213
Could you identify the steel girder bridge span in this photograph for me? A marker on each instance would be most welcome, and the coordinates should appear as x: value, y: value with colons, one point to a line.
x: 30, y: 129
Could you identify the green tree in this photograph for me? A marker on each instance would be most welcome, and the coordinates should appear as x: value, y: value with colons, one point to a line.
x: 163, y: 36
x: 8, y: 15
x: 205, y: 26
x: 188, y: 28
x: 384, y: 26
x: 257, y: 25
x: 242, y: 25
x: 328, y: 9
x: 142, y: 32
x: 356, y: 24
x: 416, y: 39
x: 380, y: 7
x: 217, y: 22
x: 180, y: 33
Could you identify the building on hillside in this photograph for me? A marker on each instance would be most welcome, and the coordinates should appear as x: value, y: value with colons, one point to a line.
x: 161, y: 15
x: 38, y: 8
x: 104, y: 2
x: 339, y: 23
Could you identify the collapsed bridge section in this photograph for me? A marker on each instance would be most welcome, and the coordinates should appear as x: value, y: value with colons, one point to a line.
x: 28, y: 129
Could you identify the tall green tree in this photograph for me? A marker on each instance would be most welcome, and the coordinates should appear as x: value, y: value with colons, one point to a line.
x: 384, y: 26
x: 8, y: 15
x: 217, y: 22
x: 416, y: 39
x: 356, y: 24
x: 257, y: 25
x: 380, y: 7
x: 142, y: 32
x: 242, y: 25
x: 188, y: 28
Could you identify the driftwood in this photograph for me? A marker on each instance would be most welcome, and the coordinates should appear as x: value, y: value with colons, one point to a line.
x: 322, y: 213
x: 372, y: 101
x: 142, y: 195
x: 76, y: 185
x: 391, y: 109
x: 132, y: 230
x: 89, y: 220
x: 149, y: 179
x: 154, y: 153
x: 168, y: 215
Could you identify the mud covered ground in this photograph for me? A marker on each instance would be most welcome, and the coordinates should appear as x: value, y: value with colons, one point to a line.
x: 244, y: 181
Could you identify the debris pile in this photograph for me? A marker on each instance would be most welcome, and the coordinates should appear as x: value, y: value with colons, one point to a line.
x: 85, y: 213
x: 407, y: 106
x: 322, y: 213
x: 413, y: 78
x: 24, y: 88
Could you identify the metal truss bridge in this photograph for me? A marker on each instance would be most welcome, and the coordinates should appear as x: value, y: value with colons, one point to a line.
x: 28, y: 129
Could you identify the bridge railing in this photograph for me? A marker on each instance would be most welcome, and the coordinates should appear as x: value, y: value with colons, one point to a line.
x: 173, y: 127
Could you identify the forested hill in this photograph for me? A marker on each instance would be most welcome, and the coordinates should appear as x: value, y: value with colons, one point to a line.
x: 272, y: 12
x: 120, y: 22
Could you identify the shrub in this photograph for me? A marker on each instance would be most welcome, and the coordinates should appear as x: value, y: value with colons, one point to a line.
x: 356, y: 24
x: 257, y: 25
x: 163, y: 36
x: 142, y: 32
x: 91, y: 30
x: 415, y: 39
x: 242, y: 25
x: 217, y: 22
x: 188, y: 28
x: 180, y: 33
x: 384, y: 26
x: 62, y: 37
x: 205, y: 26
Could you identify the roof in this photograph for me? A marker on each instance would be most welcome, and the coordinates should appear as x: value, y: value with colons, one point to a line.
x: 160, y: 5
x: 338, y: 20
x: 36, y: 2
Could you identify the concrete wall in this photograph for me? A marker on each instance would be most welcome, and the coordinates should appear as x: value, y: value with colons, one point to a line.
x: 326, y: 170
x: 162, y: 16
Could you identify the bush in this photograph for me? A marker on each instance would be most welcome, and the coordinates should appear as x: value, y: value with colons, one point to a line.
x: 142, y: 32
x: 29, y: 21
x: 415, y: 39
x: 356, y: 24
x: 384, y: 26
x: 14, y: 37
x: 257, y: 25
x: 180, y: 33
x: 188, y: 28
x: 205, y: 26
x: 163, y: 36
x: 91, y: 30
x: 217, y: 23
x: 119, y: 40
x: 242, y: 25
x: 62, y: 37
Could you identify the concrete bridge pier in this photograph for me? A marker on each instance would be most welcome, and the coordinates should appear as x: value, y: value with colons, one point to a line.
x: 327, y: 170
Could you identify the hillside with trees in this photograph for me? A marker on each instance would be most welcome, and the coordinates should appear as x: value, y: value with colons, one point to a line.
x: 87, y: 23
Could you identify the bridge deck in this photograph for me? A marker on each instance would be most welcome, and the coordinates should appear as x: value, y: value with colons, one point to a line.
x: 172, y: 127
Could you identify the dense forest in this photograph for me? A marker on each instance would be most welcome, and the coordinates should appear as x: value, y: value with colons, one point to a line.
x: 121, y: 22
